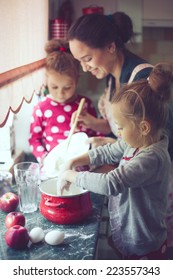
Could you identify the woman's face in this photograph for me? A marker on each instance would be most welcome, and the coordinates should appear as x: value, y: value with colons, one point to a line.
x: 61, y: 87
x: 100, y: 62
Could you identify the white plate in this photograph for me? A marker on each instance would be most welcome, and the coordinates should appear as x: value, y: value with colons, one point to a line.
x: 59, y: 155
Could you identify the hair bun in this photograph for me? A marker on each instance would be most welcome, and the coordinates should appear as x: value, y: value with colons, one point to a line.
x: 125, y: 26
x: 56, y: 45
x: 160, y: 80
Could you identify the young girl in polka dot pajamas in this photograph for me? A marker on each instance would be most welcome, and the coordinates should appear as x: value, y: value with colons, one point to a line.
x: 137, y: 189
x: 52, y: 116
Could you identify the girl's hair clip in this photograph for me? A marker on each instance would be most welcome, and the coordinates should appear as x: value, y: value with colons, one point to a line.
x: 62, y: 49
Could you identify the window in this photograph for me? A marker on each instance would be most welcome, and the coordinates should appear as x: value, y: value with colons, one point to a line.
x: 24, y: 31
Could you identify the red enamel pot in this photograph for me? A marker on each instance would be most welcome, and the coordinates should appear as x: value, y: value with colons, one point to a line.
x: 71, y: 208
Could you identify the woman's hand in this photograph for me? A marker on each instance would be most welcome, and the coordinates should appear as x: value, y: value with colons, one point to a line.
x: 101, y: 107
x: 85, y: 120
x: 88, y: 121
x: 102, y: 103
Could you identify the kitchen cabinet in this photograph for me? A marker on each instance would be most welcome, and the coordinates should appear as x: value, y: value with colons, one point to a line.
x: 158, y: 13
x: 133, y: 8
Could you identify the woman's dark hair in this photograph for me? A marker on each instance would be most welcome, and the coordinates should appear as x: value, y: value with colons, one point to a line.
x: 149, y: 99
x: 97, y: 31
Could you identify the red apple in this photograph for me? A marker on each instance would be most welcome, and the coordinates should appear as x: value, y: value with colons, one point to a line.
x: 17, y: 237
x: 9, y: 202
x: 14, y: 218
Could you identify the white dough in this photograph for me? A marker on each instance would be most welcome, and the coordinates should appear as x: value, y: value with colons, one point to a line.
x: 54, y: 237
x: 36, y: 235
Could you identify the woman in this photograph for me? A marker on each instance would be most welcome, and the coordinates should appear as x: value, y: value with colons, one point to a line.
x: 98, y: 42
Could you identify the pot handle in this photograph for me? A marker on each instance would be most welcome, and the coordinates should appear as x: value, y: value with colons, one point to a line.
x: 51, y: 204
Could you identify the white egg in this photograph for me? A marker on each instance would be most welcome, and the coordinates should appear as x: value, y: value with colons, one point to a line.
x: 36, y: 235
x: 54, y: 237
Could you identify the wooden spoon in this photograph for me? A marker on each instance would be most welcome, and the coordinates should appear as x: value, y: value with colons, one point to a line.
x: 72, y: 130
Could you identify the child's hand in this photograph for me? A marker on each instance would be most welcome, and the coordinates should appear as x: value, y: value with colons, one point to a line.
x: 63, y: 185
x: 65, y: 180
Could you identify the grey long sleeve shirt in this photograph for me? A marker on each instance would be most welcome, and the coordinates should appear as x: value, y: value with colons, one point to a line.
x: 141, y: 183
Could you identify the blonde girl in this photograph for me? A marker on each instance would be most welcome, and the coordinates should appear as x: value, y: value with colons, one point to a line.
x: 52, y: 116
x: 137, y: 189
